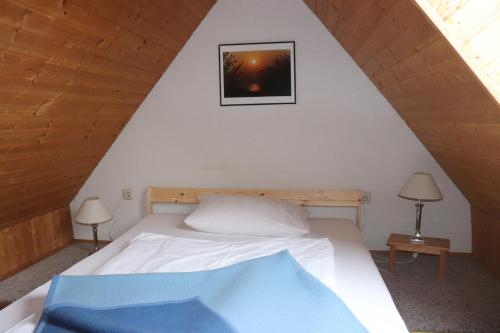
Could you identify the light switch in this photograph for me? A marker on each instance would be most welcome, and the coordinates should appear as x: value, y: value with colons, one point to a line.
x: 127, y: 194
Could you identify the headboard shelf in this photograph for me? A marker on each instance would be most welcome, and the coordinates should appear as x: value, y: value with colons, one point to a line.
x: 318, y: 198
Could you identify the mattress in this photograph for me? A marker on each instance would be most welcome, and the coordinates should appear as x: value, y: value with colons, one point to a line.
x: 358, y: 281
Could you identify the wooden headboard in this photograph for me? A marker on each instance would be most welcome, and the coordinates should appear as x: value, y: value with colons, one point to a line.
x: 320, y: 198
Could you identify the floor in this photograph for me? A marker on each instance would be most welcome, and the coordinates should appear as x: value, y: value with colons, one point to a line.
x: 25, y: 281
x: 467, y: 301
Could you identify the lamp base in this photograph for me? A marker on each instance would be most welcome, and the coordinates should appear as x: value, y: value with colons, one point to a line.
x: 417, y: 238
x: 96, y: 241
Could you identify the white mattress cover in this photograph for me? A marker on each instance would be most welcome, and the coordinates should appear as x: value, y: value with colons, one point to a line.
x: 149, y: 253
x: 358, y: 281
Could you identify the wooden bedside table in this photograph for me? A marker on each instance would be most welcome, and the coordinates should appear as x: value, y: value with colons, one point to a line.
x: 436, y: 246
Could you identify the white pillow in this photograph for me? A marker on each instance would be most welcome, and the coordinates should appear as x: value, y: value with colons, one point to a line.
x: 249, y: 215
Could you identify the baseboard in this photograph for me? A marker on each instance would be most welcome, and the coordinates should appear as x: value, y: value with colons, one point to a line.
x: 91, y: 241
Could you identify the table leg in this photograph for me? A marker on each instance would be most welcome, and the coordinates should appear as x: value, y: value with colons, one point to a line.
x: 442, y: 265
x: 392, y: 258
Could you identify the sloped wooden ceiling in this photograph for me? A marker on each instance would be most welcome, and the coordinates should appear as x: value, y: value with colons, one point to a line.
x: 72, y: 73
x: 428, y: 83
x: 473, y: 27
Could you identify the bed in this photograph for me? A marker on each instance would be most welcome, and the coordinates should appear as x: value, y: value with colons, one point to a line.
x: 357, y: 280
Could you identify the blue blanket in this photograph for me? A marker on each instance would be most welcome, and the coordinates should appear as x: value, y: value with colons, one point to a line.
x: 172, y: 316
x: 268, y: 294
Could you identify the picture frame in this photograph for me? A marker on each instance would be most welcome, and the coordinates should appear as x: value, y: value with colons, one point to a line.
x: 257, y: 73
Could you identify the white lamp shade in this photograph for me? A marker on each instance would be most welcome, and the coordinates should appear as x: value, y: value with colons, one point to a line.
x: 421, y: 186
x: 93, y: 211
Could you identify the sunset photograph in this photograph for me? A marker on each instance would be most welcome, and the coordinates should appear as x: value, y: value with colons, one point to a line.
x: 257, y: 73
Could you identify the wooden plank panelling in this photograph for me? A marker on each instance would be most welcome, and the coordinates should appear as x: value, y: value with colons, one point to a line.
x: 73, y: 72
x: 51, y: 231
x: 26, y: 242
x: 475, y: 27
x: 16, y: 248
x: 431, y: 86
x: 485, y: 244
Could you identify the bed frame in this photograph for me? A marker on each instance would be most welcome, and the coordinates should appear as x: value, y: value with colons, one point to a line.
x: 320, y: 198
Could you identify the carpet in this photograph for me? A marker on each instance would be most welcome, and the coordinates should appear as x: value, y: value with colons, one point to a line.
x: 466, y: 301
x: 34, y: 276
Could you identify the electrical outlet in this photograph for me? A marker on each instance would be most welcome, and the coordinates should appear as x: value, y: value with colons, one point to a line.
x: 366, y: 197
x: 127, y: 194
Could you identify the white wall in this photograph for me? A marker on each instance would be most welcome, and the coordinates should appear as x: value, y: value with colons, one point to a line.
x: 342, y: 133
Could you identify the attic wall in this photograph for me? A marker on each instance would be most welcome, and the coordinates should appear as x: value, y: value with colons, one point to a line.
x: 342, y: 133
x: 431, y: 87
x: 72, y: 73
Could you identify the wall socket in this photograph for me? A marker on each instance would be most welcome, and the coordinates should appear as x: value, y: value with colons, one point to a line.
x: 366, y: 197
x: 127, y: 194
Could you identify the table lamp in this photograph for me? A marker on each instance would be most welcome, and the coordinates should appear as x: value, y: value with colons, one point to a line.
x: 421, y: 187
x: 92, y: 211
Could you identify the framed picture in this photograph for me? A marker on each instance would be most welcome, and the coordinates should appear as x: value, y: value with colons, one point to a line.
x: 257, y: 73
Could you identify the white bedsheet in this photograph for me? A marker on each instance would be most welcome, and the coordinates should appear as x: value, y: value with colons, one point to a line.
x: 358, y: 281
x: 148, y: 253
